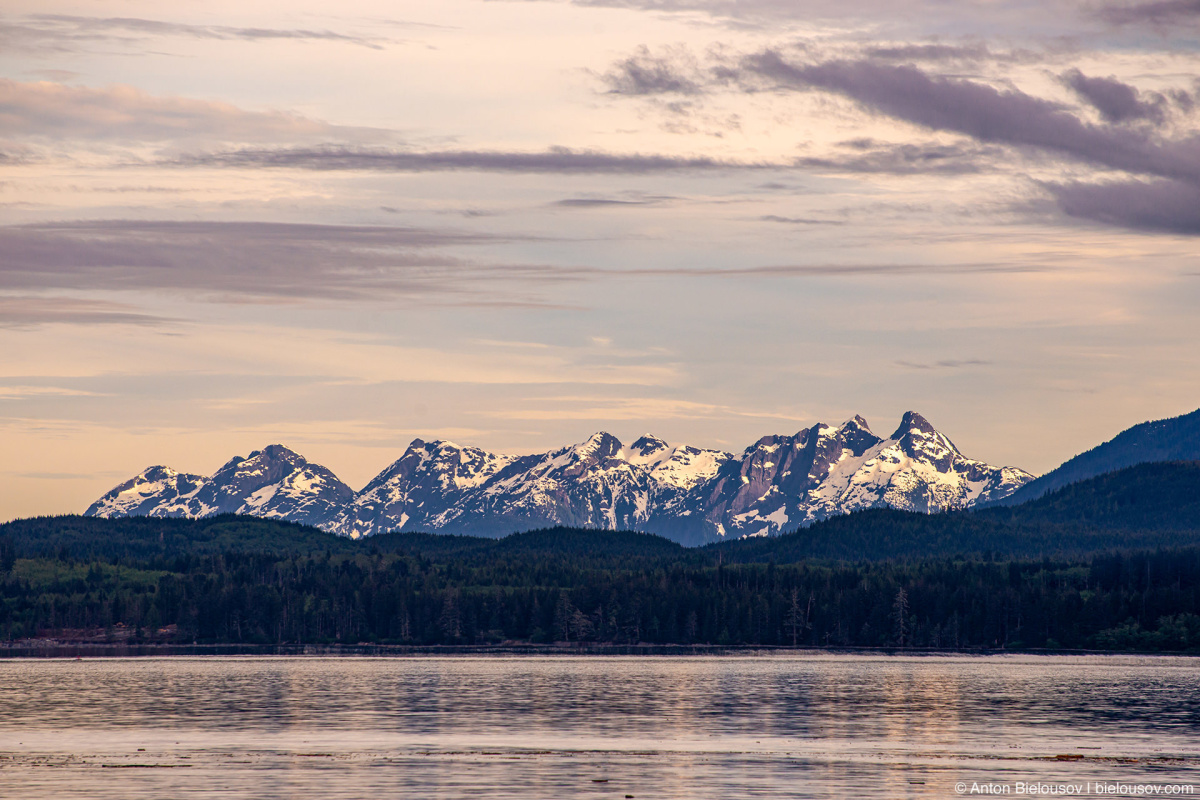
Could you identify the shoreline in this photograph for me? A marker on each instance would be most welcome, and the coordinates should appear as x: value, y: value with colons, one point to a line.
x: 51, y: 649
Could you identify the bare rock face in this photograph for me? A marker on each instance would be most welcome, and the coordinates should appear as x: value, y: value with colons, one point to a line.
x: 690, y: 494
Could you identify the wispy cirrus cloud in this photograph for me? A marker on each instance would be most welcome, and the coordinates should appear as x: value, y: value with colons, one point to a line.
x: 633, y: 200
x: 847, y: 270
x: 766, y: 14
x: 231, y: 262
x: 29, y: 311
x: 67, y: 32
x: 574, y: 407
x: 21, y: 392
x: 946, y: 363
x: 1156, y: 12
x: 930, y: 52
x: 254, y: 262
x: 555, y: 160
x: 799, y: 220
x: 49, y: 110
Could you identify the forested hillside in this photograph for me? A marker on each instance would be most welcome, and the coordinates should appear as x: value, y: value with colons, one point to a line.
x: 232, y: 579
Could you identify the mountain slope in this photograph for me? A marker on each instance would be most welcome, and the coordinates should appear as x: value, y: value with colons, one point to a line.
x: 1175, y: 439
x: 1155, y: 496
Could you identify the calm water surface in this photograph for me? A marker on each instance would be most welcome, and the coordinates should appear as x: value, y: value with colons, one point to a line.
x: 591, y: 727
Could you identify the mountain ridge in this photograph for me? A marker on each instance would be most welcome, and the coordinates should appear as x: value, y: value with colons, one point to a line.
x: 1169, y: 439
x: 689, y: 494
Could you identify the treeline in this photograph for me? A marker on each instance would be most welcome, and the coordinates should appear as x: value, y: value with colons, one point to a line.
x: 566, y: 586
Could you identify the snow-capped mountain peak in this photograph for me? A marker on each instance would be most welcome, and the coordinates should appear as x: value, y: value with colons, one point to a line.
x: 154, y: 492
x: 648, y: 449
x: 691, y: 494
x: 275, y: 482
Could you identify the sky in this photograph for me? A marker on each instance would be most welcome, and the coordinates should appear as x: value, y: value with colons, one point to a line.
x: 344, y: 226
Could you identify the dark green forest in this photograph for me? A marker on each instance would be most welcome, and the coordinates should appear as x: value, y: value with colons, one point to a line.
x: 1109, y: 564
x: 245, y: 580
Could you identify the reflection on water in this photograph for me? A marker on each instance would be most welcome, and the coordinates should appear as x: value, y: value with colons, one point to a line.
x: 554, y: 727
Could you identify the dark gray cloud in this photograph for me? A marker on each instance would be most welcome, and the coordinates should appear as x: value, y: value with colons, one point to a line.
x: 989, y: 115
x: 1185, y: 101
x: 1158, y: 13
x: 996, y: 120
x: 255, y: 261
x: 868, y: 156
x: 903, y: 159
x: 1016, y: 119
x: 1116, y: 101
x: 64, y: 32
x: 1156, y: 206
x: 982, y: 112
x: 643, y: 73
x: 907, y: 93
x: 31, y: 311
x: 559, y: 160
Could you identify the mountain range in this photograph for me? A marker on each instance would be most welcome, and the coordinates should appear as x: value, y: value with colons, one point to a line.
x: 689, y: 494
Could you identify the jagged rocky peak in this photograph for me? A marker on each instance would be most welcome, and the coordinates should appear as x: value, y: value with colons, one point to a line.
x: 646, y: 446
x: 418, y: 490
x: 403, y: 467
x: 916, y: 431
x: 912, y: 421
x: 857, y: 421
x: 857, y: 434
x: 578, y: 459
x: 260, y: 468
x: 599, y: 445
x: 919, y: 439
